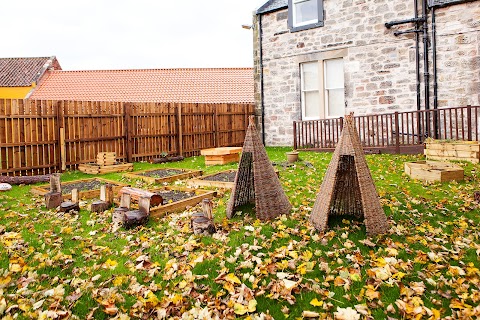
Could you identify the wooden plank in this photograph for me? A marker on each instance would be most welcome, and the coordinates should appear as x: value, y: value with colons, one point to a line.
x: 432, y: 171
x: 203, y: 182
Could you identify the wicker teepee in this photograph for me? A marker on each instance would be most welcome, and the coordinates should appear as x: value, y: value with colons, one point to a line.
x: 348, y: 187
x: 256, y: 181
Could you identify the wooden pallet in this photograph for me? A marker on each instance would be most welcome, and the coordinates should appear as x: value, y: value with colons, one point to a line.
x: 184, y: 175
x: 84, y: 194
x: 93, y: 168
x: 456, y: 150
x: 432, y: 171
x: 202, y: 182
x: 223, y: 155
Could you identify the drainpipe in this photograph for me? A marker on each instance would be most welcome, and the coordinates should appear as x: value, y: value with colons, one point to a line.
x: 417, y: 56
x: 434, y: 65
x: 426, y: 74
x: 262, y: 96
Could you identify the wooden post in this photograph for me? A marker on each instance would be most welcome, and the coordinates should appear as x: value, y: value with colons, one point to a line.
x: 295, y: 138
x: 469, y: 122
x: 397, y: 134
x: 215, y: 126
x: 180, y: 129
x: 61, y: 137
x: 127, y: 111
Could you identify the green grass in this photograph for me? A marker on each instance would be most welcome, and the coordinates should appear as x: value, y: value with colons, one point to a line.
x: 426, y: 266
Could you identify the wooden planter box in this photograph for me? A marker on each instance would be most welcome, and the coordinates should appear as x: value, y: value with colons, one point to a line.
x: 204, y: 182
x: 161, y: 210
x: 93, y: 168
x: 454, y: 150
x: 185, y: 174
x: 432, y: 171
x: 85, y: 194
x: 222, y: 155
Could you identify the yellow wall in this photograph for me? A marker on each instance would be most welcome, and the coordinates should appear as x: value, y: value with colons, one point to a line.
x: 14, y: 92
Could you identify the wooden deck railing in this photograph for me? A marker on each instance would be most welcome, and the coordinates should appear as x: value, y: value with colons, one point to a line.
x: 39, y: 137
x: 399, y: 132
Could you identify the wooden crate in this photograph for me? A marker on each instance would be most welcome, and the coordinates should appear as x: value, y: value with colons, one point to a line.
x: 106, y: 158
x: 453, y: 150
x: 93, y: 168
x: 222, y: 155
x: 186, y: 173
x: 432, y: 171
x: 84, y: 194
x: 203, y: 182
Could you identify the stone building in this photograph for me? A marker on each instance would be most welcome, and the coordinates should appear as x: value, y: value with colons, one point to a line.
x: 317, y: 59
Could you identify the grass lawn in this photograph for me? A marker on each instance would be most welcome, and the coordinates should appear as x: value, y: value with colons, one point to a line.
x: 74, y: 266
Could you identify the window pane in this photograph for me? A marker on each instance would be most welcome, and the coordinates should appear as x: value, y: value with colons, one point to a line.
x: 310, y: 76
x: 334, y: 74
x: 336, y: 102
x: 312, y: 104
x: 306, y: 11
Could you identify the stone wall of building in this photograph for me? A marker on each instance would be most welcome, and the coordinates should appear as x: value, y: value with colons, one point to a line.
x: 380, y: 72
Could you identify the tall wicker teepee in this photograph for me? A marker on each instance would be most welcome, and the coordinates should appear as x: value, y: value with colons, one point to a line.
x: 256, y: 181
x: 348, y: 187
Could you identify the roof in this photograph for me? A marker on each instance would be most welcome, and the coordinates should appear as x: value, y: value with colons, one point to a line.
x: 444, y: 3
x: 212, y: 85
x: 22, y: 72
x: 272, y: 5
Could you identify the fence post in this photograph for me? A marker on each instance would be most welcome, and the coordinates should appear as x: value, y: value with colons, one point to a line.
x: 469, y: 122
x: 61, y: 151
x: 397, y: 133
x: 127, y: 111
x: 215, y: 125
x: 295, y: 143
x: 180, y: 129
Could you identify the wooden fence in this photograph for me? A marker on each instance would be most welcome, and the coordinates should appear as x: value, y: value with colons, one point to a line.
x: 399, y: 132
x: 40, y: 137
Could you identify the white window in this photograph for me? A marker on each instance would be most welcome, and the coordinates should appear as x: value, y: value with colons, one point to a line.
x: 323, y: 89
x: 305, y: 14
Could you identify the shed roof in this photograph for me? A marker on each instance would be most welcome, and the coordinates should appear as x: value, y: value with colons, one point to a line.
x: 22, y: 72
x: 191, y: 85
x: 272, y: 5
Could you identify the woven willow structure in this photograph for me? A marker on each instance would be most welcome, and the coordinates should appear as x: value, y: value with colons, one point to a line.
x: 348, y: 187
x: 256, y: 181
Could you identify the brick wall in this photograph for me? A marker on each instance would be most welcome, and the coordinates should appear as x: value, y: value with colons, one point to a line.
x: 379, y: 67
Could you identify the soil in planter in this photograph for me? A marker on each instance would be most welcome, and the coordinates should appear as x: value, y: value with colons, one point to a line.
x: 161, y: 173
x: 83, y: 186
x: 222, y: 176
x: 170, y: 196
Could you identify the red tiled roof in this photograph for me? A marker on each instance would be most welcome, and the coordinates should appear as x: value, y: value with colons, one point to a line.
x: 22, y: 72
x: 215, y: 85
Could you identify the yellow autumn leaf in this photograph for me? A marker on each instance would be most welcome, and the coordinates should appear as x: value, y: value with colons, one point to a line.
x: 316, y: 303
x: 15, y: 267
x: 177, y: 298
x: 239, y: 309
x: 110, y: 264
x: 436, y: 314
x: 232, y: 278
x: 229, y: 287
x: 5, y: 281
x: 252, y: 305
x: 151, y: 300
x: 118, y: 281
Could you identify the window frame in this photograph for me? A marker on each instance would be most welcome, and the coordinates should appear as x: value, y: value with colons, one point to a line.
x: 293, y: 26
x: 322, y: 90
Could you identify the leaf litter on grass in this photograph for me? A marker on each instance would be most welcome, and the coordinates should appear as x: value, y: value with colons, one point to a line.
x: 73, y: 266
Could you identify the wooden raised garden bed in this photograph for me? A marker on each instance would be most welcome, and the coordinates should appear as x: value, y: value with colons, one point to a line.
x: 177, y: 199
x: 94, y: 168
x: 87, y: 188
x: 223, y: 179
x: 221, y: 155
x: 452, y: 150
x: 432, y: 171
x: 163, y: 175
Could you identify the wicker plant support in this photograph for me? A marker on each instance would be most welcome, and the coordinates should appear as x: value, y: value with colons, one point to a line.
x: 256, y: 181
x: 348, y: 187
